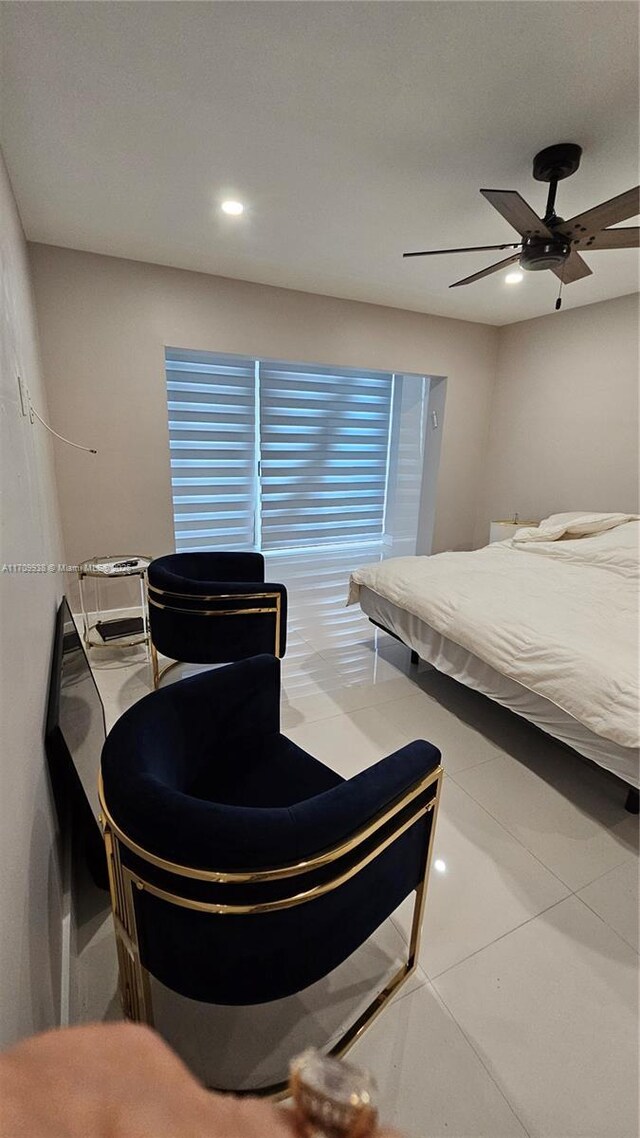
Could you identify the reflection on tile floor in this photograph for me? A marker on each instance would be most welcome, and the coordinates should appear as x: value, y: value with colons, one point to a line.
x: 522, y: 1017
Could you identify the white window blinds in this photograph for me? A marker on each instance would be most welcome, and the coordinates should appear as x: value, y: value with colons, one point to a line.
x: 324, y: 438
x: 212, y: 438
x: 269, y: 455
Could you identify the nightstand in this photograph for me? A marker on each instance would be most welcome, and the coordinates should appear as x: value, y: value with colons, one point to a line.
x: 501, y: 530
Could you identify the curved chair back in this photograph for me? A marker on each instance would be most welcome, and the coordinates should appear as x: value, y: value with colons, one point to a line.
x: 212, y: 608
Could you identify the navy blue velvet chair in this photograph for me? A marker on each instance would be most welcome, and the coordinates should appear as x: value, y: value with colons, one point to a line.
x: 242, y: 869
x: 212, y: 608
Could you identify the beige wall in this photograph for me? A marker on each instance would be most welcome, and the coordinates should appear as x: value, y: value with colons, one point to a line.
x: 104, y: 324
x: 30, y: 891
x: 564, y: 417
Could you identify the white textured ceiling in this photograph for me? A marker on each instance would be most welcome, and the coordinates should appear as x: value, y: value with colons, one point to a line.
x: 352, y: 131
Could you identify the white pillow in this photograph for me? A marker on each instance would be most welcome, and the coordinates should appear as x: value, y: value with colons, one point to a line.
x: 572, y: 525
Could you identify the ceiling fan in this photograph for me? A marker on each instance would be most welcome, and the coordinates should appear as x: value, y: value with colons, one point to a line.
x: 551, y: 242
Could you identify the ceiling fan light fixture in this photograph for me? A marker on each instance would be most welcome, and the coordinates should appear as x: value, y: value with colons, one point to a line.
x: 514, y: 277
x: 543, y: 253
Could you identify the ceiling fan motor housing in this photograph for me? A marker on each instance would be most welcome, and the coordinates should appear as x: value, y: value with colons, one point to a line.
x: 542, y: 253
x: 555, y: 163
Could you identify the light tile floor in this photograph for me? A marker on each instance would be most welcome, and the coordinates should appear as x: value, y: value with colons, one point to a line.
x: 523, y: 1016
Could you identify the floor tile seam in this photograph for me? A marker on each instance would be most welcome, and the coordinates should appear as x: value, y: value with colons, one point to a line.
x: 416, y: 694
x: 327, y: 651
x: 628, y: 858
x: 481, y: 1060
x: 429, y: 983
x: 515, y: 837
x: 285, y: 727
x: 395, y: 698
x: 306, y: 608
x: 606, y: 923
x: 108, y: 666
x: 459, y: 770
x: 496, y: 940
x: 472, y: 766
x: 320, y: 718
x: 373, y: 701
x: 354, y: 711
x: 364, y: 642
x: 436, y: 975
x: 131, y: 696
x: 300, y: 638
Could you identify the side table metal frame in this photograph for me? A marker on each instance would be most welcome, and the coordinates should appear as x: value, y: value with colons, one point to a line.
x: 84, y: 571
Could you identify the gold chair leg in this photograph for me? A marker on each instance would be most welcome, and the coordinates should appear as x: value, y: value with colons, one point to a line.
x: 133, y: 979
x: 133, y: 984
x: 156, y: 670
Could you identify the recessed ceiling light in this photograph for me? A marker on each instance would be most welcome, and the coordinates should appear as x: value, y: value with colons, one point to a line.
x: 514, y: 278
x: 234, y: 208
x: 440, y: 865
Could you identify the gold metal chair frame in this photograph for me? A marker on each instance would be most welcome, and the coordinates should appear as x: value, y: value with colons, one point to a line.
x: 271, y: 608
x: 134, y: 983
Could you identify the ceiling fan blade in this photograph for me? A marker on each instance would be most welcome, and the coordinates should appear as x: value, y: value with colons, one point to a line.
x: 470, y: 249
x: 486, y: 272
x: 573, y: 269
x: 620, y: 208
x: 626, y: 238
x: 517, y: 212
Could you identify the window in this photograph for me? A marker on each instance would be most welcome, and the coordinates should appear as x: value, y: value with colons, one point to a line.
x: 270, y: 455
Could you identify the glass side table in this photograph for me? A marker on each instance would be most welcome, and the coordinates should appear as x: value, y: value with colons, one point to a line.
x: 123, y: 632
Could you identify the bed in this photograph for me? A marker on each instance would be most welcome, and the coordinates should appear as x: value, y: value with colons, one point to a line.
x: 545, y: 624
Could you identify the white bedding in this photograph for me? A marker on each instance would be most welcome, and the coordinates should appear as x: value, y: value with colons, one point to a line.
x: 560, y: 617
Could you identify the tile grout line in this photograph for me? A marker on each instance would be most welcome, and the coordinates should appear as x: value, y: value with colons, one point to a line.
x: 433, y: 982
x: 509, y: 932
x: 628, y: 858
x: 515, y: 836
x: 606, y: 923
x: 354, y: 711
x: 427, y: 982
x: 375, y: 702
x: 481, y: 1060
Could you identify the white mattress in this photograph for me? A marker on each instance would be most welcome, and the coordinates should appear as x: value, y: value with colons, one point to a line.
x: 462, y: 665
x: 558, y: 616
